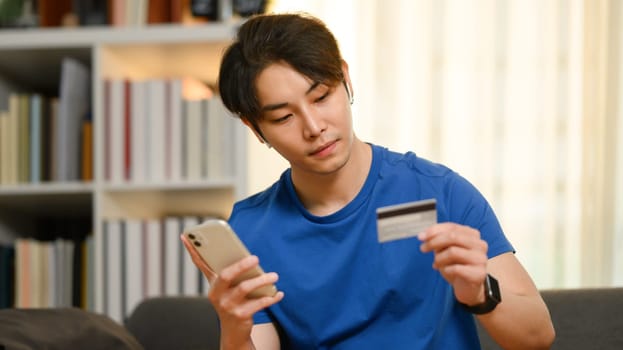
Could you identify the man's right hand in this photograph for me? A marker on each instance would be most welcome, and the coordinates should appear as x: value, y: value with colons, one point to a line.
x: 231, y: 302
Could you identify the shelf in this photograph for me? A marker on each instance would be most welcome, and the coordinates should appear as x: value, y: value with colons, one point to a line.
x: 53, y: 199
x: 46, y: 188
x: 88, y: 36
x: 31, y: 57
x: 145, y: 202
x: 169, y: 186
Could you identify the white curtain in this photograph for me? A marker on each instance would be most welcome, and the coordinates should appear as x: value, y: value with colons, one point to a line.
x: 501, y: 91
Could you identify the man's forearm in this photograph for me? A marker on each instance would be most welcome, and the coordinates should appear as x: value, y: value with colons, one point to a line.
x: 234, y: 343
x: 520, y: 322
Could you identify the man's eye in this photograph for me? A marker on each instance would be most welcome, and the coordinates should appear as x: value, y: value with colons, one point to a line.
x: 282, y: 119
x: 321, y: 98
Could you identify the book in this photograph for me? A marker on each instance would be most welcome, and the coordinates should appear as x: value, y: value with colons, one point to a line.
x: 100, y: 243
x: 173, y: 162
x: 13, y: 142
x: 191, y: 275
x: 89, y: 271
x: 136, y: 12
x: 127, y: 129
x: 114, y: 130
x: 192, y: 139
x: 220, y: 135
x: 86, y: 150
x: 36, y: 132
x: 23, y: 115
x: 172, y: 255
x: 52, y: 153
x: 45, y: 283
x: 114, y: 281
x: 36, y: 272
x: 52, y: 275
x: 22, y: 273
x: 154, y: 266
x: 7, y: 276
x: 138, y: 124
x: 74, y: 103
x: 117, y: 13
x: 156, y: 115
x: 64, y: 251
x: 45, y: 144
x: 4, y: 147
x: 134, y: 264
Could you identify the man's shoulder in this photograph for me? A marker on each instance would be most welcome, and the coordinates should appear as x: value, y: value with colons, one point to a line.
x: 397, y: 161
x: 258, y: 199
x: 259, y: 203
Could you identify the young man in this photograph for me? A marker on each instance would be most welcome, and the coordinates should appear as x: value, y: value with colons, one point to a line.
x: 316, y: 226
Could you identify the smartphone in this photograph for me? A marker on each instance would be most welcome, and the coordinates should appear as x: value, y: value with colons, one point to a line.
x: 219, y: 246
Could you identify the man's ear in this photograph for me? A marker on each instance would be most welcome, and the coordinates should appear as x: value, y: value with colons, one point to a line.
x: 347, y: 82
x: 255, y: 131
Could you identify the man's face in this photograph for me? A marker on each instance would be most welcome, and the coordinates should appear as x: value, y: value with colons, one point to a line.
x: 307, y: 122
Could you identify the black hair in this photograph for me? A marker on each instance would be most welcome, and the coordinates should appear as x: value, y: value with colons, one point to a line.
x: 300, y: 40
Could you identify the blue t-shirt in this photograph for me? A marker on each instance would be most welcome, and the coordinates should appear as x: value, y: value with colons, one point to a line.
x: 345, y: 290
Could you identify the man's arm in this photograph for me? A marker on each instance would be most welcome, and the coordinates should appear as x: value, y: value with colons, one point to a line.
x: 521, y: 320
x: 265, y: 337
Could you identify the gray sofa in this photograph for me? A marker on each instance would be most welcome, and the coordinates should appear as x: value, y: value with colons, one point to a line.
x: 583, y: 319
x: 589, y: 318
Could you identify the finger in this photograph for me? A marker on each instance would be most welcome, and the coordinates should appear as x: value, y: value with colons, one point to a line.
x: 233, y: 271
x: 436, y: 229
x: 470, y: 275
x: 249, y: 307
x: 456, y: 255
x: 453, y: 236
x: 221, y: 290
x: 255, y: 305
x: 245, y: 287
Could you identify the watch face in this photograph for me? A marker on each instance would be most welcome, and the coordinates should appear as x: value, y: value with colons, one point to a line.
x: 493, y: 289
x: 492, y: 297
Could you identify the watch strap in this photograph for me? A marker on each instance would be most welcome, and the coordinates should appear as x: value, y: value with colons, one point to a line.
x: 492, y: 298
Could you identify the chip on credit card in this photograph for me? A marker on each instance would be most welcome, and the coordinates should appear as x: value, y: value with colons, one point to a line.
x: 405, y: 220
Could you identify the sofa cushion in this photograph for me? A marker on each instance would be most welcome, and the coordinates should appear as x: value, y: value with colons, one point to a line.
x: 180, y: 323
x: 589, y: 318
x: 62, y: 328
x: 586, y: 318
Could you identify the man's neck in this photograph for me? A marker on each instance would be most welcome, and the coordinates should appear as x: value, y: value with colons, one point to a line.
x: 326, y: 194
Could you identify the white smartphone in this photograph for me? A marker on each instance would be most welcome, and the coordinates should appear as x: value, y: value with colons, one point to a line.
x: 219, y: 246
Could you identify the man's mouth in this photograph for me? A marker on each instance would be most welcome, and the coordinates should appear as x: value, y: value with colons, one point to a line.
x: 324, y: 149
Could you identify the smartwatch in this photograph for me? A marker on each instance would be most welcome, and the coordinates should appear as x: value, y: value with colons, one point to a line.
x: 492, y: 297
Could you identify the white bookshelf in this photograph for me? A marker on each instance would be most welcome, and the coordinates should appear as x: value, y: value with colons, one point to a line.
x: 32, y: 57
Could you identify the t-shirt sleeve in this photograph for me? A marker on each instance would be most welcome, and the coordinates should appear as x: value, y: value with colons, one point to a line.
x: 261, y: 317
x: 469, y: 207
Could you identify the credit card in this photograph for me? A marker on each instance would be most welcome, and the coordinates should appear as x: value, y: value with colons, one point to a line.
x: 405, y: 220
